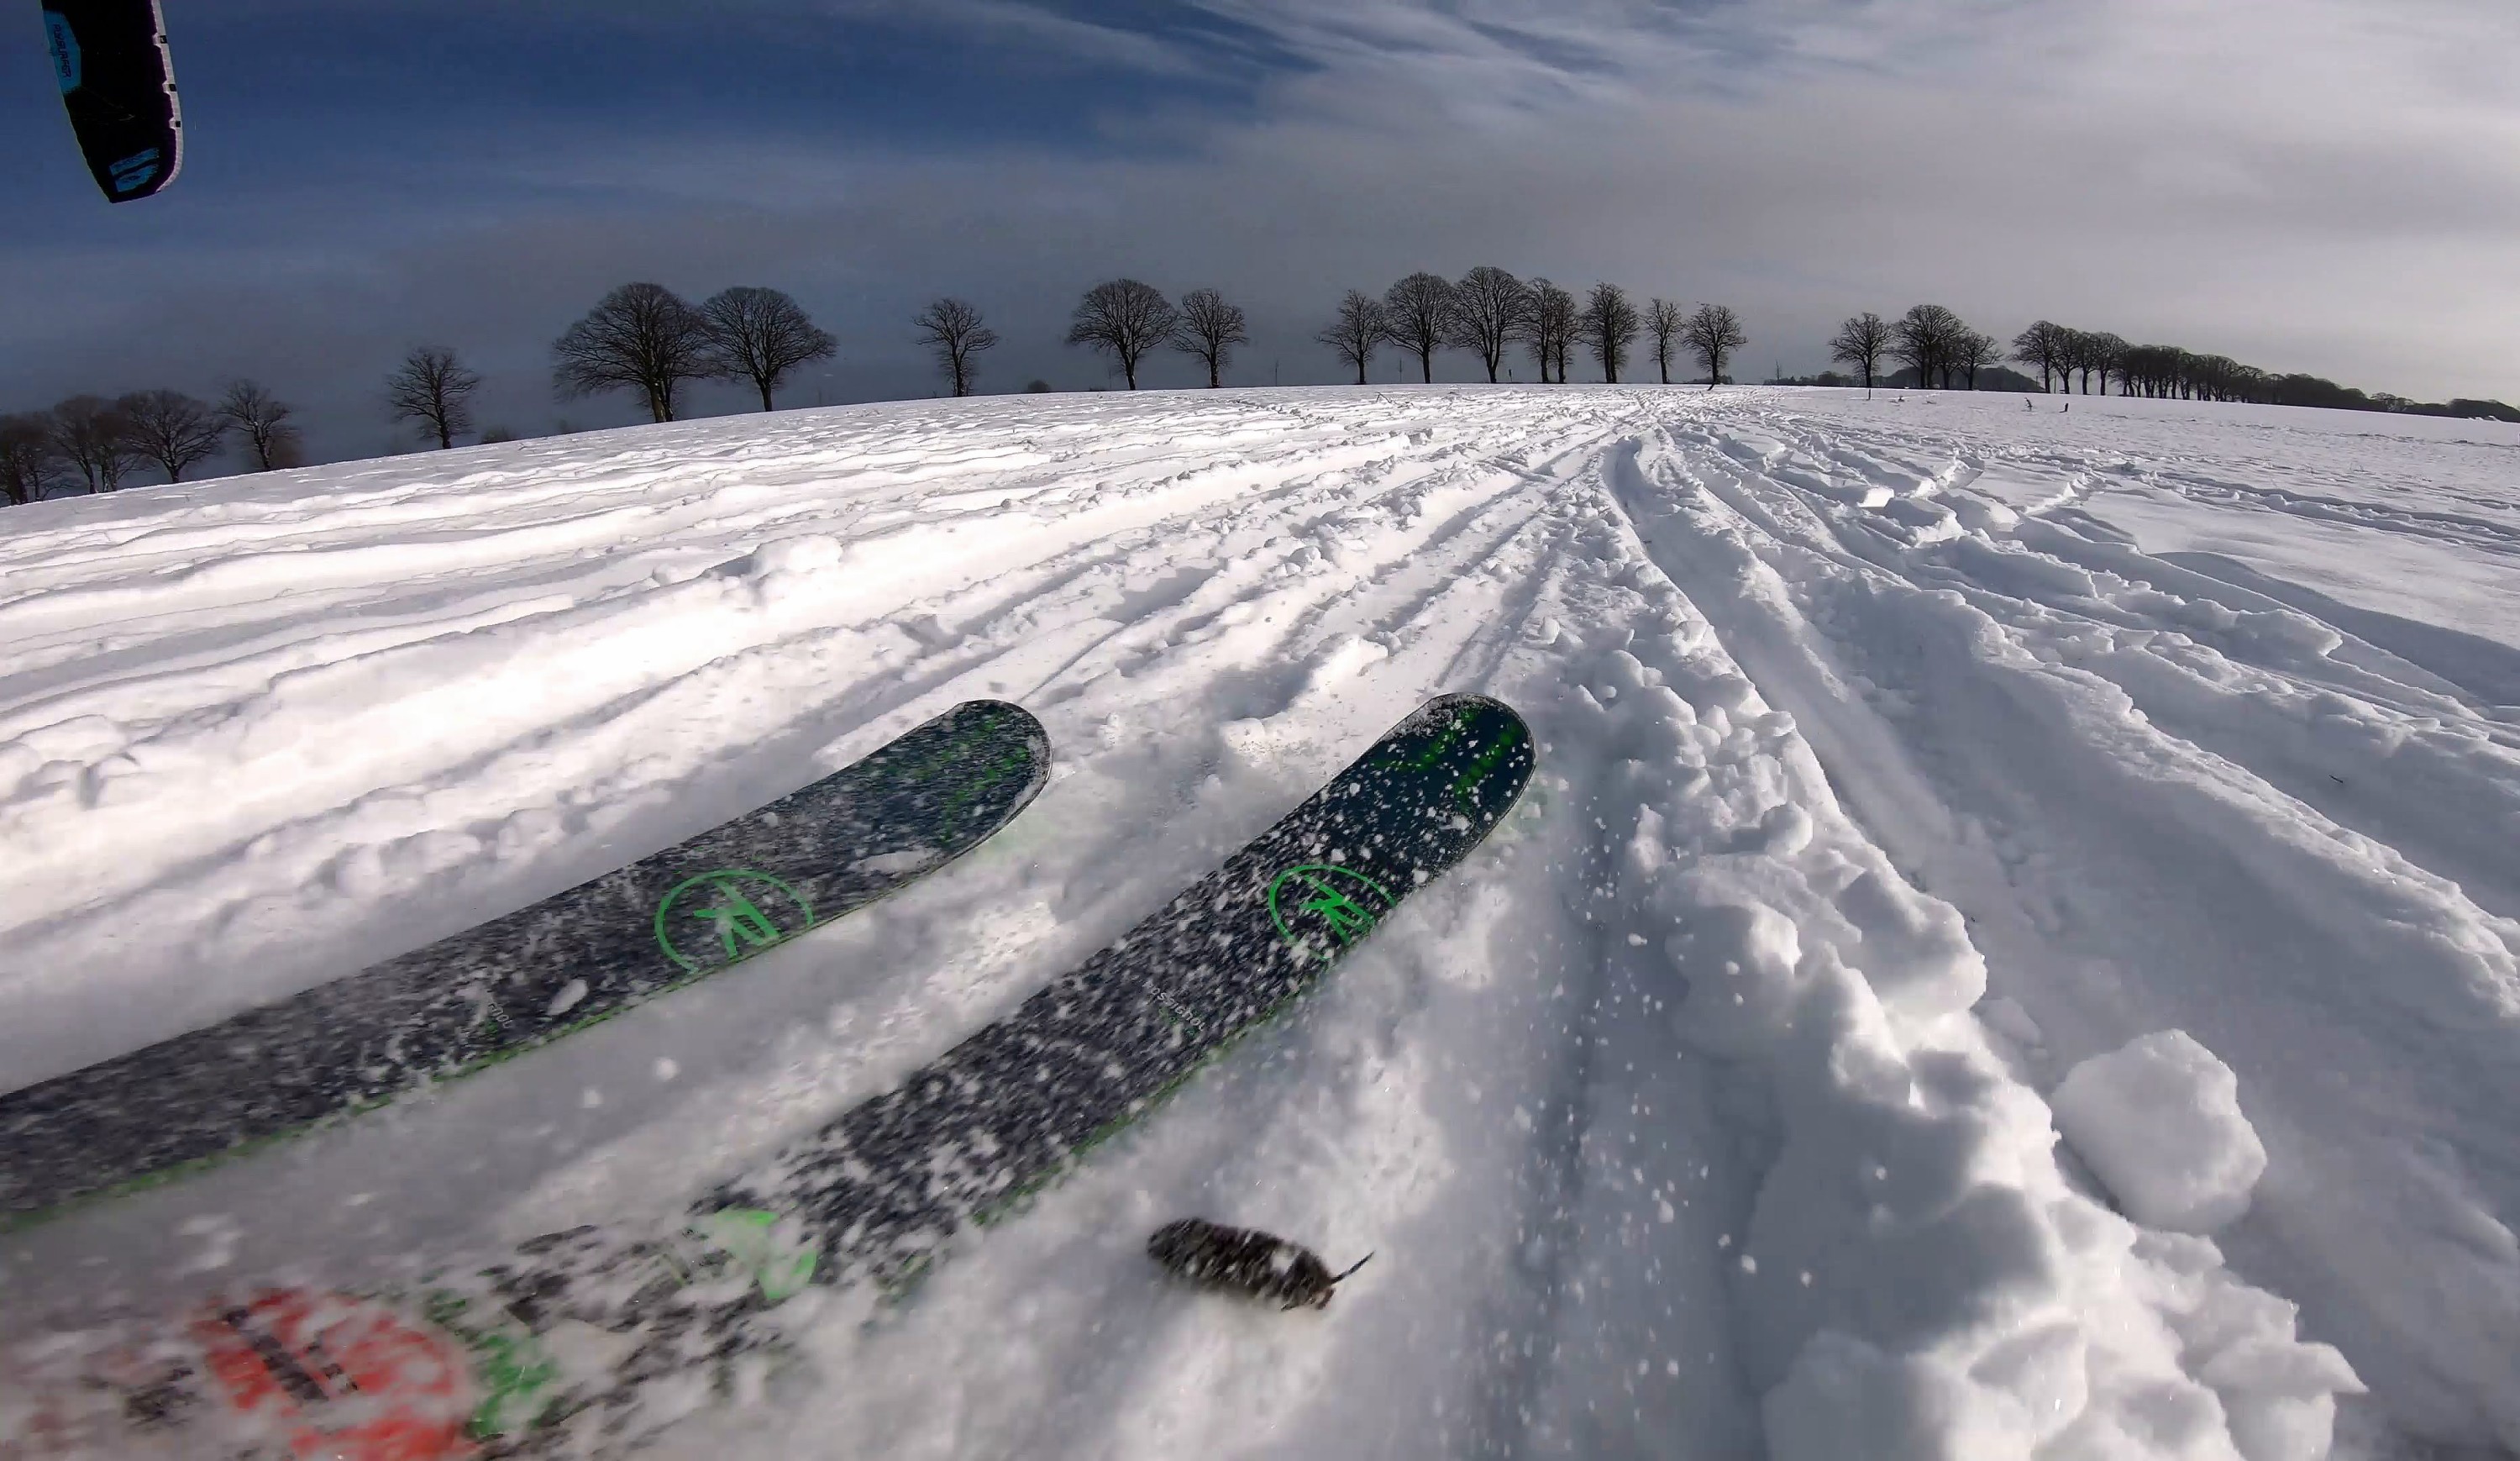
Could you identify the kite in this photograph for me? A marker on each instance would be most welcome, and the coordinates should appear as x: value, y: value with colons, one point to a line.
x: 118, y: 85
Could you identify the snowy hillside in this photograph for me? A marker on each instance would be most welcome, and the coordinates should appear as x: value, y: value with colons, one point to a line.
x: 1899, y: 758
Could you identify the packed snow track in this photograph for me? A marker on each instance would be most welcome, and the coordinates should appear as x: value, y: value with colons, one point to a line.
x: 1921, y: 777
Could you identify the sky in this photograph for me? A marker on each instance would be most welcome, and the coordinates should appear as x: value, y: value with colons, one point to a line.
x: 2330, y: 186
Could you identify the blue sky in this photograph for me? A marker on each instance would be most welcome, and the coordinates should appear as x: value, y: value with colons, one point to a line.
x: 2326, y: 185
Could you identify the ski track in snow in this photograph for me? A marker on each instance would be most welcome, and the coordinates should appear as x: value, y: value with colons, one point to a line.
x: 1897, y: 755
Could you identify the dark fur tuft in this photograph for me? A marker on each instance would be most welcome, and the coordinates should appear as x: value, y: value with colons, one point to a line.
x: 1245, y: 1260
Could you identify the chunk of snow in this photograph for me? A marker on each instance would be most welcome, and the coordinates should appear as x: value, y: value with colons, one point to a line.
x: 2159, y: 1121
x: 906, y: 860
x: 1786, y: 830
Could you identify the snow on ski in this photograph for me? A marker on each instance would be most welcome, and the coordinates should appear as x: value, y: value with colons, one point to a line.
x: 530, y: 976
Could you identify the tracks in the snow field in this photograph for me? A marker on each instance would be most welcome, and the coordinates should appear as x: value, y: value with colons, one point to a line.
x: 1675, y: 1077
x: 2167, y: 800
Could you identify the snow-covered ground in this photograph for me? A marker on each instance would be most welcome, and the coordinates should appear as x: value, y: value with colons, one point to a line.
x: 1900, y: 759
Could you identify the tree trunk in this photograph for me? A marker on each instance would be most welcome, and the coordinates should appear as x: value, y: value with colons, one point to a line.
x: 765, y: 393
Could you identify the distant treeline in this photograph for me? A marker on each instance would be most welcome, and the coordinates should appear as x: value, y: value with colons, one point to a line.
x: 1934, y: 345
x: 645, y: 340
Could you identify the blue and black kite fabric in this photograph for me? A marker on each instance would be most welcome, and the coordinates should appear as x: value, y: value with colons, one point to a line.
x: 119, y: 86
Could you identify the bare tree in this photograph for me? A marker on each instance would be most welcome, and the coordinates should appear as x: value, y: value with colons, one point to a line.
x: 262, y: 419
x: 1927, y: 338
x: 30, y: 463
x: 1210, y: 329
x: 2045, y: 345
x: 1714, y: 332
x: 1974, y: 352
x: 1419, y: 312
x: 1124, y: 319
x: 761, y: 334
x: 2077, y: 358
x: 1490, y: 312
x: 643, y: 338
x: 173, y: 430
x: 1359, y: 327
x: 1549, y: 329
x: 92, y: 435
x: 2098, y: 352
x: 432, y: 387
x: 1608, y: 324
x: 1665, y: 322
x: 1861, y: 341
x: 952, y: 328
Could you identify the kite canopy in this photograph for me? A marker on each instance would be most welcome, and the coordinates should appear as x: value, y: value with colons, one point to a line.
x: 119, y: 86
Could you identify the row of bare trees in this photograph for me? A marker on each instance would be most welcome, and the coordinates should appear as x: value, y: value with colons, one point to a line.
x: 1935, y: 344
x: 641, y: 338
x: 1128, y: 320
x: 644, y: 337
x: 2075, y: 357
x: 1488, y: 311
x: 1938, y: 349
x: 92, y: 443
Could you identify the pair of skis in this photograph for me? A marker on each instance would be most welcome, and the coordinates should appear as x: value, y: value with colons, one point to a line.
x: 585, y: 1343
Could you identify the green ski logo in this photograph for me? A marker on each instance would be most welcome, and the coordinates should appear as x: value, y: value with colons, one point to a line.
x: 1466, y: 784
x: 1425, y: 759
x: 510, y: 1366
x: 1466, y: 787
x: 742, y: 911
x: 1341, y: 900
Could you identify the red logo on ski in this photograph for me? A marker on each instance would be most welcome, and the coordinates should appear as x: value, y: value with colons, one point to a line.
x: 344, y: 1379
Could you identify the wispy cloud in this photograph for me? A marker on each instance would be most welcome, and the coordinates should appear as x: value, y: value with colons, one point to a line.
x: 1050, y: 35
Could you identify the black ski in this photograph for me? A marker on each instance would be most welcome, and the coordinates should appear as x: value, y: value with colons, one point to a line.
x: 1007, y: 1108
x: 529, y: 978
x: 868, y: 1198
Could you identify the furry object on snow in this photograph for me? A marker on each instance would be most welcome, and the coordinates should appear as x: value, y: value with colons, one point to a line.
x: 1248, y: 1261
